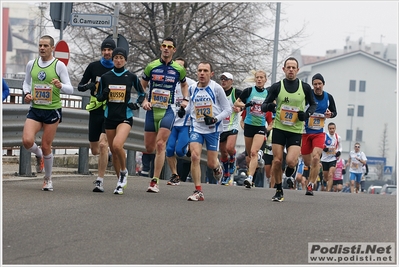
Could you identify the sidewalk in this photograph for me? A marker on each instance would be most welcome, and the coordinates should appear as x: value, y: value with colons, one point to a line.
x: 63, y: 165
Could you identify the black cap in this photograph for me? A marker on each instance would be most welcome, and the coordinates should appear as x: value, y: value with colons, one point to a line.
x: 108, y: 43
x: 119, y: 51
x: 318, y: 76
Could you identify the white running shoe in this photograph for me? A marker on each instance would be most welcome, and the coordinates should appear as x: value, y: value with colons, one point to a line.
x: 153, y: 188
x: 197, y: 196
x: 47, y: 184
x: 99, y: 186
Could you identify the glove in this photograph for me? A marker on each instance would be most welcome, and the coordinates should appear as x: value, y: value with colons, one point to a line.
x: 92, y: 88
x: 338, y: 154
x: 343, y: 171
x: 303, y: 116
x: 249, y: 104
x: 133, y: 106
x: 269, y: 107
x: 181, y: 112
x: 325, y: 149
x: 209, y: 120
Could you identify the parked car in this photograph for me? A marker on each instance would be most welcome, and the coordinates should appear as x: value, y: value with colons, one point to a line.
x: 374, y: 189
x: 387, y: 189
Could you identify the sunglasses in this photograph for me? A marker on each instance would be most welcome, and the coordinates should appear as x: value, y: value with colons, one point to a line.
x: 224, y: 79
x: 167, y: 46
x: 357, y: 146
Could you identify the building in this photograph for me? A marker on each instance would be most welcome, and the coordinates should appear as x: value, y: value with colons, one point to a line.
x: 364, y: 88
x: 21, y: 33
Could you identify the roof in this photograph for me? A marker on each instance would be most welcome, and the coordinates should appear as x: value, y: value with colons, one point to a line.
x: 350, y: 54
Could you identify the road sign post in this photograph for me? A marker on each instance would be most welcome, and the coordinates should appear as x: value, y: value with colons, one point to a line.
x: 61, y: 52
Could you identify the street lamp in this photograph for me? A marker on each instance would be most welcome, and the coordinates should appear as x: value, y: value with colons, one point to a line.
x: 352, y: 108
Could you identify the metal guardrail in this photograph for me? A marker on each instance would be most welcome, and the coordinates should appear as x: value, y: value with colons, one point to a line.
x: 71, y: 132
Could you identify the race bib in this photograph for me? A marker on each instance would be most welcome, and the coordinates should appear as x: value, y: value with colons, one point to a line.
x: 117, y: 93
x: 160, y: 98
x: 331, y: 151
x: 316, y: 121
x: 288, y: 115
x: 354, y: 165
x: 256, y: 109
x: 43, y: 94
x: 202, y: 108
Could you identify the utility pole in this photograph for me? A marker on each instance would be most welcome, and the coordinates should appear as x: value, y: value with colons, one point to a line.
x: 275, y: 45
x: 115, y: 24
x: 42, y: 8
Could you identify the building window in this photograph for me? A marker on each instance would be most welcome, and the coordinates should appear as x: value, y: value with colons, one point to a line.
x: 362, y: 86
x: 349, y: 135
x: 360, y: 111
x: 359, y: 135
x: 351, y: 110
x: 352, y: 85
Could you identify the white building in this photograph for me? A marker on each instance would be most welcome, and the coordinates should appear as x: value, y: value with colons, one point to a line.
x: 366, y: 84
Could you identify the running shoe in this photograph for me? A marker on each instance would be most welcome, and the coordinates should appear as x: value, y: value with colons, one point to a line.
x: 218, y: 173
x: 39, y: 164
x: 47, y: 184
x: 153, y: 188
x: 279, y: 196
x: 122, y: 183
x: 309, y: 190
x: 174, y: 180
x: 197, y: 196
x: 248, y: 182
x: 290, y: 182
x: 118, y: 190
x: 99, y: 186
x: 232, y: 167
x: 225, y: 180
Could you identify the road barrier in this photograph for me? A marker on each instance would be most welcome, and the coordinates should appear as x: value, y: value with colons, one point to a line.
x: 71, y: 132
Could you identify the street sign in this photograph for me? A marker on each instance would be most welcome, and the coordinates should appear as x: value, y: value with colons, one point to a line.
x: 388, y: 170
x: 61, y: 52
x: 91, y: 20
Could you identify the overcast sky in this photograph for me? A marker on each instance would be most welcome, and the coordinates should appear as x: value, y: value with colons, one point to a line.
x: 329, y: 23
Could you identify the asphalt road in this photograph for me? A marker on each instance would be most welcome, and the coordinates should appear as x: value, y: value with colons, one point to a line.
x: 234, y: 225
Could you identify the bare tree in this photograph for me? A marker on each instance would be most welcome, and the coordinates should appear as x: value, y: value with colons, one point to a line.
x: 231, y: 35
x: 384, y: 142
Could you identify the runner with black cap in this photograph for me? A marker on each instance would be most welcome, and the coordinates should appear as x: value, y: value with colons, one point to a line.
x: 97, y: 138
